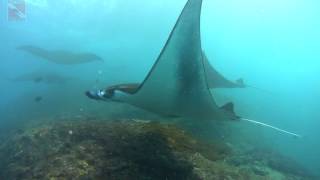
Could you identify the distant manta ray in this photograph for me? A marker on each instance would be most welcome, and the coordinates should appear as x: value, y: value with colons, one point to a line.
x: 41, y: 77
x: 178, y: 84
x: 61, y: 56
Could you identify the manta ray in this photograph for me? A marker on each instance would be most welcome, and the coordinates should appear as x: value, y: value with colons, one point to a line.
x: 179, y: 82
x: 61, y: 56
x: 41, y: 77
x: 217, y: 80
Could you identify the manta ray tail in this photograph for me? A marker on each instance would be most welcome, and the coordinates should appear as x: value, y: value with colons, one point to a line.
x: 272, y: 127
x: 229, y: 108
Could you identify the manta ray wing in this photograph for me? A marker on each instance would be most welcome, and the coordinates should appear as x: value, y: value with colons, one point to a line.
x: 176, y: 84
x: 217, y: 80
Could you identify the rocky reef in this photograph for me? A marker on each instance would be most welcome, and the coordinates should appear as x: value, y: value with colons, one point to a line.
x: 130, y: 149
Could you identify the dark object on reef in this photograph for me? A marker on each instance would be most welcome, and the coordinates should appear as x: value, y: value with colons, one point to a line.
x: 61, y: 56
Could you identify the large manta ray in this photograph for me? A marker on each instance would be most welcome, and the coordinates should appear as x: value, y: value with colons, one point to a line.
x: 178, y: 84
x: 60, y: 56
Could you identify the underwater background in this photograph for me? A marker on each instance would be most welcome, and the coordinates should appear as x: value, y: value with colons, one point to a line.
x: 273, y: 45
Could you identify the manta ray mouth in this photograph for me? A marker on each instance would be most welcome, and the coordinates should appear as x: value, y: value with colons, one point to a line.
x: 97, y: 95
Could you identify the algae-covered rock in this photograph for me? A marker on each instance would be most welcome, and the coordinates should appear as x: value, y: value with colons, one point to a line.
x: 279, y: 162
x: 270, y: 164
x: 131, y: 149
x: 103, y: 150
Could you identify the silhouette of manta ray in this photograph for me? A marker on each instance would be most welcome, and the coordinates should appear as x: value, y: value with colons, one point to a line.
x: 61, y: 56
x: 40, y: 76
x: 177, y: 84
